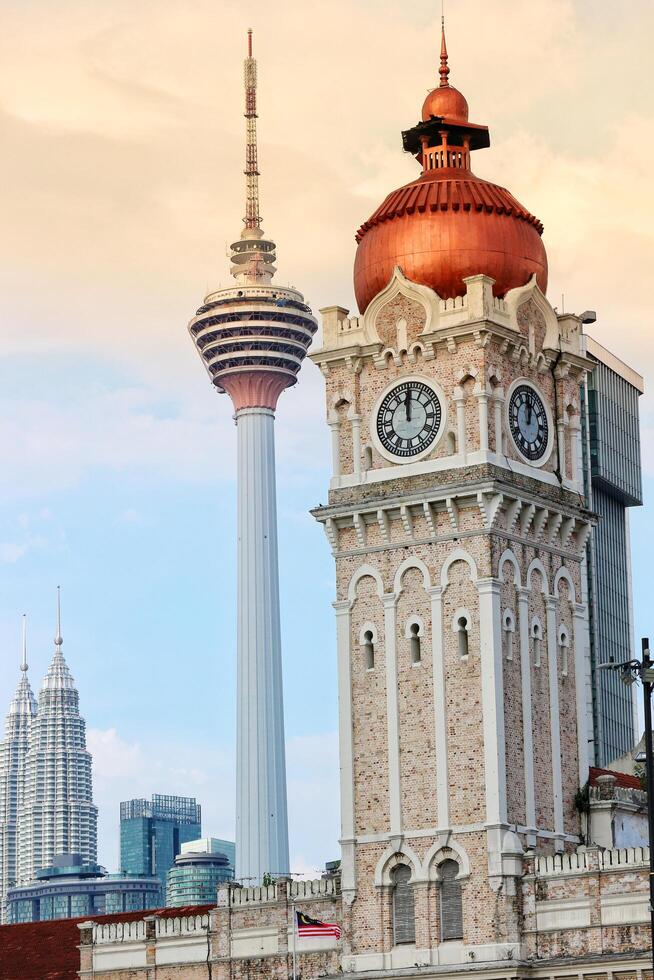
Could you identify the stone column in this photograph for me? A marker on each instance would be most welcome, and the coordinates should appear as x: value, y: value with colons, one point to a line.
x: 498, y: 405
x: 356, y: 444
x: 555, y: 721
x: 335, y: 428
x: 440, y: 708
x: 527, y: 723
x: 492, y: 699
x: 392, y: 718
x: 343, y: 647
x: 581, y: 641
x: 459, y: 398
x: 560, y: 431
x: 482, y: 393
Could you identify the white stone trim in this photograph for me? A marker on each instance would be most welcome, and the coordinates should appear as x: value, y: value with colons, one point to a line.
x: 438, y: 852
x: 362, y: 572
x: 393, y: 856
x: 527, y: 721
x: 346, y: 752
x: 555, y: 720
x: 492, y: 699
x: 414, y: 620
x: 457, y: 555
x: 392, y: 714
x: 507, y: 555
x: 412, y: 562
x: 440, y: 707
x: 366, y: 628
x: 564, y: 574
x: 537, y: 565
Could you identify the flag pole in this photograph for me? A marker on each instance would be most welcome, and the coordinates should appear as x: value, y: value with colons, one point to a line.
x: 294, y: 935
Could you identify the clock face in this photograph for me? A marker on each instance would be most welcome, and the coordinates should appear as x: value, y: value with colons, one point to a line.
x: 409, y: 419
x: 528, y: 422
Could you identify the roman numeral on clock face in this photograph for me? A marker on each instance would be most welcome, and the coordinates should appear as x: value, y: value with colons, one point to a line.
x: 409, y: 419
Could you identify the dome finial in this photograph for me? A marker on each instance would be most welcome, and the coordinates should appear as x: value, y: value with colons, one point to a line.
x: 58, y: 639
x: 23, y: 661
x: 445, y: 68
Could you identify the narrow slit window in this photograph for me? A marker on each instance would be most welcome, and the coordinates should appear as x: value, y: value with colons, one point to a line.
x: 462, y: 631
x: 368, y: 650
x: 537, y: 640
x: 414, y: 641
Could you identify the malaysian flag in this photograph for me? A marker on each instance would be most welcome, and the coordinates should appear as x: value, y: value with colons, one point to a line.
x: 306, y: 926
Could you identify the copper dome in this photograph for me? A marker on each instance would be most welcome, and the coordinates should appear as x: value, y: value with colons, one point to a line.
x: 448, y: 224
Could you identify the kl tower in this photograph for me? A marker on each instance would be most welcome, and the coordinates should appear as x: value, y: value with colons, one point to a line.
x: 252, y: 339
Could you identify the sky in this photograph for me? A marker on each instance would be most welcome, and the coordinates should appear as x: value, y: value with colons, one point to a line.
x: 121, y: 187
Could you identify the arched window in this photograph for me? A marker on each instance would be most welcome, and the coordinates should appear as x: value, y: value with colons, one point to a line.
x: 537, y: 642
x: 414, y: 643
x: 451, y: 901
x: 367, y: 458
x: 508, y: 634
x: 564, y: 646
x: 368, y: 650
x: 451, y: 443
x: 462, y: 633
x: 404, y: 919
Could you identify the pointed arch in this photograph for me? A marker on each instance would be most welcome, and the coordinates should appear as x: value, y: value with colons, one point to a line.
x: 537, y: 565
x: 515, y: 298
x: 508, y: 555
x: 399, y: 285
x: 561, y: 575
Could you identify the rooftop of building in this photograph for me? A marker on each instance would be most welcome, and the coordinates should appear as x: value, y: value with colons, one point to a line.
x: 614, y: 363
x: 49, y: 950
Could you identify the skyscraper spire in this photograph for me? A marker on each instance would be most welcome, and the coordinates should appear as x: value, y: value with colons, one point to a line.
x: 253, y: 256
x: 23, y: 661
x: 58, y: 637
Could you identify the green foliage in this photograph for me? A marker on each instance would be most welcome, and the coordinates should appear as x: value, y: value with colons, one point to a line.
x: 582, y: 799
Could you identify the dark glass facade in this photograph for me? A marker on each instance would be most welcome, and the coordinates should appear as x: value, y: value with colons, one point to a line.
x: 152, y: 833
x: 77, y: 889
x: 194, y: 878
x: 613, y: 483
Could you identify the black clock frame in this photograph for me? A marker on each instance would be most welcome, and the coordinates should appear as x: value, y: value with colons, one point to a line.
x: 400, y: 447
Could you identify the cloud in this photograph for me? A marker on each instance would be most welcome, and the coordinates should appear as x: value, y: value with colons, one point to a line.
x: 124, y: 769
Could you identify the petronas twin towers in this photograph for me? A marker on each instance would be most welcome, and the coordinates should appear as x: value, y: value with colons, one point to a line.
x: 46, y: 795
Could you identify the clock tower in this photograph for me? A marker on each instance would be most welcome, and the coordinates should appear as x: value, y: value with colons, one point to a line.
x: 457, y: 522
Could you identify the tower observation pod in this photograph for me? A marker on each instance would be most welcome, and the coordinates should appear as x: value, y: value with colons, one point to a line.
x: 252, y: 339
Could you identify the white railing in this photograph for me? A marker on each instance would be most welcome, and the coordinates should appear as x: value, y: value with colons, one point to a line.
x: 621, y: 857
x: 254, y: 896
x: 317, y: 888
x: 119, y: 932
x: 557, y: 864
x: 579, y: 862
x: 455, y: 303
x: 182, y: 925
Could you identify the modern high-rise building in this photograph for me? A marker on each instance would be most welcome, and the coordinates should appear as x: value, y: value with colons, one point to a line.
x: 252, y: 339
x: 13, y: 753
x: 193, y: 879
x: 57, y: 814
x: 612, y: 484
x: 152, y: 833
x: 71, y: 887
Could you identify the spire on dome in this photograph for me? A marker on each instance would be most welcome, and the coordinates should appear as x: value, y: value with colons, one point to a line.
x: 445, y: 68
x: 253, y: 255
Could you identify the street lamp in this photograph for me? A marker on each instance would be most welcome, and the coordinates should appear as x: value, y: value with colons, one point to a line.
x: 630, y: 672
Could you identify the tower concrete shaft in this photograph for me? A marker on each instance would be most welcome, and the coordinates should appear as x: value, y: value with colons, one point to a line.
x: 261, y: 817
x: 253, y: 338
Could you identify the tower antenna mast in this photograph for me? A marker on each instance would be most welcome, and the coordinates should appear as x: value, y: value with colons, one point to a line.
x: 252, y: 217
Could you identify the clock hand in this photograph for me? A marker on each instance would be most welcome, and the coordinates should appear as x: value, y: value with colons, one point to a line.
x: 528, y: 409
x: 407, y: 405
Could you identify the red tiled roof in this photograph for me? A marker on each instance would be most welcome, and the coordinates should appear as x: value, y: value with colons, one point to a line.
x: 48, y: 950
x: 621, y: 778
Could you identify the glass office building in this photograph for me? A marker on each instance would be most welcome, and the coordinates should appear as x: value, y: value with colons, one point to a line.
x: 70, y: 888
x: 613, y: 483
x: 152, y: 833
x: 197, y: 872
